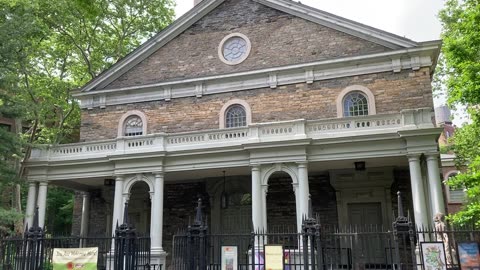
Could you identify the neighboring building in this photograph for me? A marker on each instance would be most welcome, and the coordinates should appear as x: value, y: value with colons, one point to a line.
x: 288, y: 100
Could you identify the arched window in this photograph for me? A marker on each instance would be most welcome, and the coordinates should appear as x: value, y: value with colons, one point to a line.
x: 355, y: 104
x: 133, y: 126
x: 235, y: 116
x: 355, y: 100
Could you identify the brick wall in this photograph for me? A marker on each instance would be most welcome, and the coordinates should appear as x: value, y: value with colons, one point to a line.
x: 179, y: 209
x: 277, y: 39
x: 393, y: 92
x: 281, y: 210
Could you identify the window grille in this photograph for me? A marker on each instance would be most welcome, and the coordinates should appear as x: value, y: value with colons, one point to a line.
x: 235, y: 116
x: 355, y: 104
x: 133, y: 126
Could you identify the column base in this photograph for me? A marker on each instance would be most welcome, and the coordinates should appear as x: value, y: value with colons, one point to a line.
x: 158, y: 259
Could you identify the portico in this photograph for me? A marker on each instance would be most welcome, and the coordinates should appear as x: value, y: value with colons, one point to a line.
x: 302, y: 150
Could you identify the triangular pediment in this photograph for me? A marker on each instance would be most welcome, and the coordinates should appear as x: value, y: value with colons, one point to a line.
x: 281, y: 33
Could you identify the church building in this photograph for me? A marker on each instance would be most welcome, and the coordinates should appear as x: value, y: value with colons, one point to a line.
x: 256, y: 107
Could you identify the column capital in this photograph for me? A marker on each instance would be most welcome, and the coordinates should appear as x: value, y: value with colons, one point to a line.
x: 413, y: 156
x: 158, y: 174
x: 32, y: 183
x: 432, y: 155
x: 255, y: 167
x: 85, y: 194
x: 119, y: 177
x: 43, y: 183
x: 302, y: 164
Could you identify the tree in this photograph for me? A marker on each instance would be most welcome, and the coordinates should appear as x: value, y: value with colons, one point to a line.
x: 47, y: 50
x: 460, y: 74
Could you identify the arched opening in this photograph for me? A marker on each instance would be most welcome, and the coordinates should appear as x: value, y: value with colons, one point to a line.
x: 281, y: 204
x: 139, y: 207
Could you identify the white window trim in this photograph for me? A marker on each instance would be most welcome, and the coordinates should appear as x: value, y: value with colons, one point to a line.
x: 243, y: 103
x: 352, y: 88
x: 247, y: 53
x: 448, y: 188
x: 121, y: 123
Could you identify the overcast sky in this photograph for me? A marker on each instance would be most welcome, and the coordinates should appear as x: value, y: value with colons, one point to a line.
x: 414, y: 19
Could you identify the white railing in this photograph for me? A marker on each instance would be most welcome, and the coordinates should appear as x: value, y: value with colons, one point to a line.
x: 262, y: 132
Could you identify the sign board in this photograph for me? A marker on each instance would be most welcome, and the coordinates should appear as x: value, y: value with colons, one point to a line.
x: 468, y: 256
x: 229, y: 258
x: 433, y: 254
x: 273, y: 257
x: 75, y: 258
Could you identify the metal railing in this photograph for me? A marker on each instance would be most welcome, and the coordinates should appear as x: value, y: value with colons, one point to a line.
x: 317, y: 247
x: 34, y: 251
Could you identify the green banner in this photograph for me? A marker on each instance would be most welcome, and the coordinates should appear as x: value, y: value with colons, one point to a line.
x: 75, y: 258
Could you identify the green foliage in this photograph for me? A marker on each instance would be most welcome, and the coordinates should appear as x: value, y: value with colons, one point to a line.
x: 48, y: 49
x: 59, y: 209
x: 460, y: 73
x: 8, y: 217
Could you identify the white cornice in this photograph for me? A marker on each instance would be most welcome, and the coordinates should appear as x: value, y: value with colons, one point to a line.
x: 203, y: 8
x: 339, y: 23
x: 412, y: 58
x: 153, y: 44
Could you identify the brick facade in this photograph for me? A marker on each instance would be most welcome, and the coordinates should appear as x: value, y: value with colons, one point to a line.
x: 393, y: 93
x: 277, y: 39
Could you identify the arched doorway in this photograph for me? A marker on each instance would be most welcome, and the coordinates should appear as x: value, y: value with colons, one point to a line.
x: 139, y: 207
x: 281, y: 204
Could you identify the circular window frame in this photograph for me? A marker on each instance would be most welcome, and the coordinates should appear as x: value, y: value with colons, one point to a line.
x: 240, y: 60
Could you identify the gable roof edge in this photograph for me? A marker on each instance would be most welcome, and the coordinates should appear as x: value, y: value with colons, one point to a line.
x: 341, y: 24
x: 150, y: 46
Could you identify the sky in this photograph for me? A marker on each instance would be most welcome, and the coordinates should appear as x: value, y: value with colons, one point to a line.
x: 413, y: 19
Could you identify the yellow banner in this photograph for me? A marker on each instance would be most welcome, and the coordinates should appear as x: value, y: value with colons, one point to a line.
x: 75, y: 258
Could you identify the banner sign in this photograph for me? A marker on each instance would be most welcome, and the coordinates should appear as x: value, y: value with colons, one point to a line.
x: 469, y: 255
x: 274, y: 257
x: 229, y: 258
x: 75, y: 258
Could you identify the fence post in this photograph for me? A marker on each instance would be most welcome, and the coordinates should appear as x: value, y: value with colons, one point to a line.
x: 125, y: 244
x: 311, y: 232
x: 197, y: 241
x: 32, y: 255
x: 401, y: 226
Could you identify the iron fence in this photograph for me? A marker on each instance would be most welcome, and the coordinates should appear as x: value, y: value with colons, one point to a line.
x: 34, y: 251
x: 401, y: 246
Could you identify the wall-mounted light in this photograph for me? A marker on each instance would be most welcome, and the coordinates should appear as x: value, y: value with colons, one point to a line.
x: 224, y: 196
x: 360, y: 166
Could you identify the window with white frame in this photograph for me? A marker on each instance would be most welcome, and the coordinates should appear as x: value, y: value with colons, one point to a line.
x: 355, y: 100
x: 355, y: 104
x: 235, y: 116
x: 455, y: 195
x: 133, y: 126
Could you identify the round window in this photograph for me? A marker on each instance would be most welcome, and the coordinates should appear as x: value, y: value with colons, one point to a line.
x: 234, y: 49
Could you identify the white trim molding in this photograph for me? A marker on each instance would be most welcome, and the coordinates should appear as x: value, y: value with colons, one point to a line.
x: 241, y: 59
x: 353, y: 88
x: 121, y: 122
x: 243, y: 103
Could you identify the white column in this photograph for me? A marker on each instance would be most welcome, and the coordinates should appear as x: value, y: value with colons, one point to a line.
x: 85, y: 214
x: 438, y: 204
x: 156, y: 230
x: 257, y: 202
x: 418, y: 191
x: 264, y: 207
x: 32, y: 197
x: 42, y: 203
x: 117, y: 203
x: 296, y: 191
x: 304, y: 189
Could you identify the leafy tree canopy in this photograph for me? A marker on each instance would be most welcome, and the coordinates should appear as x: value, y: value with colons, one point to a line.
x: 460, y: 73
x: 49, y: 49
